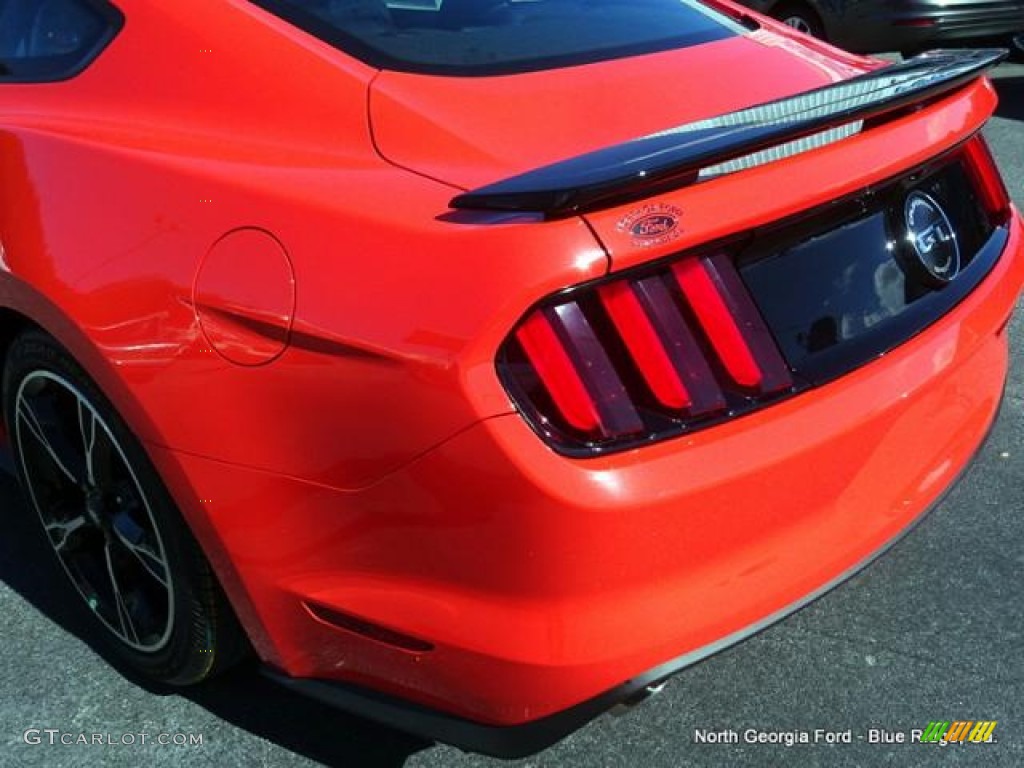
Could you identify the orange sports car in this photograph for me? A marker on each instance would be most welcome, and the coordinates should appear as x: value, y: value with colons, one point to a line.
x: 473, y: 375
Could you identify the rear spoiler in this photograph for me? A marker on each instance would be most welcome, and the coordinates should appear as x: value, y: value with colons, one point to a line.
x: 676, y: 157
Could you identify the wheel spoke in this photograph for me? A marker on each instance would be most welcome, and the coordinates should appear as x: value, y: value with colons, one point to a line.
x: 123, y: 614
x: 130, y: 536
x: 61, y: 531
x: 87, y: 429
x: 54, y: 445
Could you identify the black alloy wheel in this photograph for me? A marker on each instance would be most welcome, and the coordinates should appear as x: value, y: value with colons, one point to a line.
x: 111, y: 523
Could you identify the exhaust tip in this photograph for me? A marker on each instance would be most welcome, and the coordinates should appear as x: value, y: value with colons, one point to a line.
x: 640, y: 696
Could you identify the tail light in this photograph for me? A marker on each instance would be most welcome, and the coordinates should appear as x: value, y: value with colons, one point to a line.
x: 986, y: 180
x: 642, y: 357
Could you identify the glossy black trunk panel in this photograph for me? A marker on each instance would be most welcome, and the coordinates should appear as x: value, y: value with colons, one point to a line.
x: 846, y: 285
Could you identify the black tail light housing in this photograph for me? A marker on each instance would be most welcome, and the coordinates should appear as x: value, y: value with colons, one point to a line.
x: 706, y: 336
x: 650, y: 354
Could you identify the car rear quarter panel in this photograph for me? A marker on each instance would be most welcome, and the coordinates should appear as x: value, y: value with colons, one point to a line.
x: 121, y: 180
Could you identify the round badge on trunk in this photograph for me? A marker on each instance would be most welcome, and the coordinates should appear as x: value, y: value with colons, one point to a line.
x: 932, y: 240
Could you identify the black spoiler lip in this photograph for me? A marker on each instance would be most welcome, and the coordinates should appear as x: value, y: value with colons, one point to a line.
x: 673, y: 158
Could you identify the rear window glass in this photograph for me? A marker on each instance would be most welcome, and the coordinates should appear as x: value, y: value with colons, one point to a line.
x: 483, y: 37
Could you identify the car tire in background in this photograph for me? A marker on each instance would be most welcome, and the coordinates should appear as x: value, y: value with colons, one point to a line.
x: 129, y: 558
x: 801, y: 17
x: 1017, y: 47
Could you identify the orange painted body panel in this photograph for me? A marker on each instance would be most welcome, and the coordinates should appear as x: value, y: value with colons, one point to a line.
x: 370, y: 460
x: 544, y: 581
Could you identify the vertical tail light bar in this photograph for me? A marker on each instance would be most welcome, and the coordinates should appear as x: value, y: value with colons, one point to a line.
x: 721, y: 326
x: 986, y: 179
x: 618, y: 415
x: 573, y: 366
x: 734, y: 327
x: 682, y: 347
x: 642, y: 357
x: 645, y: 345
x: 557, y: 373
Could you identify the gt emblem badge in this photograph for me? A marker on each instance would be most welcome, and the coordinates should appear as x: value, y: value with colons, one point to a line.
x: 654, y: 224
x: 932, y: 239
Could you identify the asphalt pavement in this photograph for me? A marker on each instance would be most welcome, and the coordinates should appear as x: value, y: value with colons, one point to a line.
x: 932, y: 631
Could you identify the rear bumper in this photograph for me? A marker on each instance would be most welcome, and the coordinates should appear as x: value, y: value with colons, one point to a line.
x: 507, y: 587
x: 524, y: 739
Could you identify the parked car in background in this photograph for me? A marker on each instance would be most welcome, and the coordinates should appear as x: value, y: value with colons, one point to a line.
x: 871, y: 26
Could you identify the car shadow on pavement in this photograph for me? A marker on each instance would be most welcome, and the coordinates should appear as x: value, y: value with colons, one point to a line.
x: 249, y: 701
x: 1011, y: 98
x: 241, y: 697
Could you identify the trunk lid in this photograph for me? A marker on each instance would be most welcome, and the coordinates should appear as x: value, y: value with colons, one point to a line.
x: 471, y: 131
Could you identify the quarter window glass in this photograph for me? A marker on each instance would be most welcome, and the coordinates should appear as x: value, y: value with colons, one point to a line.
x: 51, y: 39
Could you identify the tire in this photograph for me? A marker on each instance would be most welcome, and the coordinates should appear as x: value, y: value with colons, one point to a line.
x: 1017, y: 48
x: 131, y: 561
x: 801, y: 17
